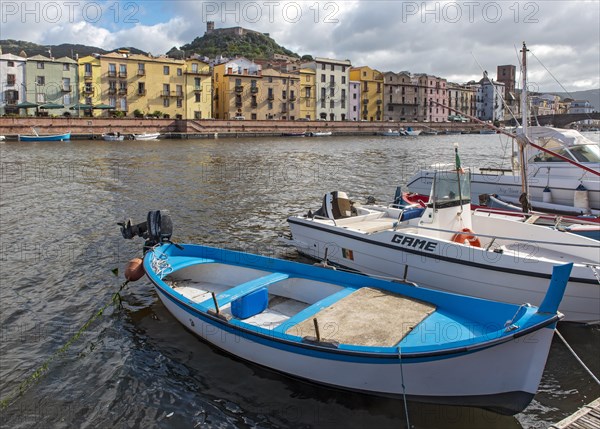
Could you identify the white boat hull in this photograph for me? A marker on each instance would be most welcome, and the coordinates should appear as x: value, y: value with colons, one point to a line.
x: 509, y: 185
x: 465, y: 379
x: 517, y: 277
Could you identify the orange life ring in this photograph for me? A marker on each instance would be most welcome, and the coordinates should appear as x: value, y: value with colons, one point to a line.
x: 466, y: 237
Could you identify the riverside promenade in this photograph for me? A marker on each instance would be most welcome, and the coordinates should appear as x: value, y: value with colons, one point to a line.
x: 94, y: 127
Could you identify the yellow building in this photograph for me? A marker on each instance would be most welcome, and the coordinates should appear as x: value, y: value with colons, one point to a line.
x: 90, y: 83
x: 308, y: 99
x: 236, y: 89
x: 279, y: 95
x: 371, y: 92
x: 198, y: 90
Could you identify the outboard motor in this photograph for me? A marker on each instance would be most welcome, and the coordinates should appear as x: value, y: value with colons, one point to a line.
x: 158, y: 228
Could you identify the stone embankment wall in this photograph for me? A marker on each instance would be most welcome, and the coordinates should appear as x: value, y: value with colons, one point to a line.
x: 94, y: 127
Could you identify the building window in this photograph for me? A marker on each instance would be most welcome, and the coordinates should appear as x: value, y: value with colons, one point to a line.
x: 343, y: 80
x: 323, y: 78
x: 323, y: 66
x: 165, y: 102
x: 66, y: 68
x: 332, y: 67
x: 179, y: 71
x: 179, y: 103
x: 10, y: 64
x: 166, y: 71
x: 197, y: 97
x: 11, y: 79
x: 40, y: 80
x: 40, y: 65
x: 307, y: 92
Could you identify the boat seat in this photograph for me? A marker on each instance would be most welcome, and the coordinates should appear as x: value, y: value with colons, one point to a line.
x: 340, y: 206
x: 238, y: 291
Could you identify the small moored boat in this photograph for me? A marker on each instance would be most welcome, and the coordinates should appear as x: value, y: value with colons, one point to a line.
x: 146, y: 136
x: 320, y: 133
x: 389, y: 337
x: 45, y: 137
x: 113, y: 137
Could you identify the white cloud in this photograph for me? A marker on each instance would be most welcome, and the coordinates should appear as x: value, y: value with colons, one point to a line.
x: 445, y: 38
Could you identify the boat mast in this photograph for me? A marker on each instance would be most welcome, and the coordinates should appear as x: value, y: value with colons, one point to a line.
x: 525, y: 119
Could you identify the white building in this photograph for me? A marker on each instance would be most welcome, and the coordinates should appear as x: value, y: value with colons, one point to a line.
x: 12, y: 82
x: 354, y: 101
x: 490, y: 106
x: 581, y: 106
x: 332, y: 87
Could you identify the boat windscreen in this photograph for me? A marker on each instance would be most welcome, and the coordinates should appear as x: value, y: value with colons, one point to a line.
x: 447, y: 187
x: 580, y: 153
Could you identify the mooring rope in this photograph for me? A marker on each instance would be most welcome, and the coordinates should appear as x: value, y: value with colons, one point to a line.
x: 577, y: 357
x: 36, y: 376
x: 403, y: 388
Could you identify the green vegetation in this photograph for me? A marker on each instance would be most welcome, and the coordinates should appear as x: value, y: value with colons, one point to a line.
x: 249, y: 45
x: 15, y: 47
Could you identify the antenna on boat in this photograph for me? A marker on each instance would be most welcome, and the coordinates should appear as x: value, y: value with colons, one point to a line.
x: 525, y: 124
x: 458, y: 171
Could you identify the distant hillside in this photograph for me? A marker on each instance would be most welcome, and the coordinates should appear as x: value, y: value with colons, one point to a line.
x: 64, y: 50
x: 250, y: 45
x: 591, y: 95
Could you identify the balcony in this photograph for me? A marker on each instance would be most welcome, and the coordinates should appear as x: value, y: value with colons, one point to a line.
x: 141, y: 72
x: 87, y: 76
x: 198, y: 72
x: 270, y: 97
x: 141, y: 92
x: 198, y: 89
x: 292, y: 98
x: 238, y: 104
x: 254, y: 90
x: 123, y: 75
x: 87, y: 90
x: 379, y: 102
x: 112, y: 73
x: 65, y: 89
x: 239, y: 88
x: 112, y: 90
x: 122, y: 91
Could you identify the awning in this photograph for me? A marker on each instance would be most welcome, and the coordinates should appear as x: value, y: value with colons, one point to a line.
x: 26, y: 105
x: 104, y: 107
x: 81, y: 107
x: 52, y: 106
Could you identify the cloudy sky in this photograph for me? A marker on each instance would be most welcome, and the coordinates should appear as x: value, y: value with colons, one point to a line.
x: 453, y: 39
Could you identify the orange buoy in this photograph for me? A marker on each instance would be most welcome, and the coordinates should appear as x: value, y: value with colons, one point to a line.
x: 466, y: 237
x: 134, y: 269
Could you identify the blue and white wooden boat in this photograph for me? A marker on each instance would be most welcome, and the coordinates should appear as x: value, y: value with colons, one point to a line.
x: 357, y: 332
x: 45, y: 138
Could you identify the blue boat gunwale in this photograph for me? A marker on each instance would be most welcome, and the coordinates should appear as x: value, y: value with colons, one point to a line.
x: 365, y: 239
x: 270, y: 336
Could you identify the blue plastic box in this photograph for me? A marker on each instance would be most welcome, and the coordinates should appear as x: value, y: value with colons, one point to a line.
x: 250, y: 304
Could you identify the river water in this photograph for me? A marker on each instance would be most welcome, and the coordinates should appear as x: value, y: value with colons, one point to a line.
x: 136, y: 366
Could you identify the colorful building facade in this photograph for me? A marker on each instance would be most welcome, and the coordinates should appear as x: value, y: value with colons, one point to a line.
x: 371, y: 92
x: 12, y: 82
x: 52, y: 84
